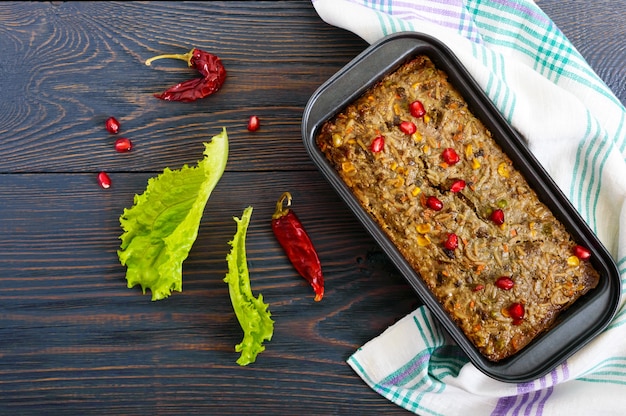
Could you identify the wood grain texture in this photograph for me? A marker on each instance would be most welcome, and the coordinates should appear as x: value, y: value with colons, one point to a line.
x: 74, y: 340
x: 77, y: 63
x: 85, y: 341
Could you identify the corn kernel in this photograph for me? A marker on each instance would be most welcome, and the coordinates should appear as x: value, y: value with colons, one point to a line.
x: 423, y: 240
x: 337, y: 139
x: 426, y: 118
x: 503, y: 170
x: 417, y: 137
x: 348, y: 167
x: 469, y: 151
x: 475, y: 164
x: 393, y: 166
x: 573, y: 261
x: 423, y: 228
x: 416, y: 191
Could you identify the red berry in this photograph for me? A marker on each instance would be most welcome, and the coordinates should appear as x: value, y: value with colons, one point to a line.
x: 451, y: 242
x: 417, y: 109
x: 434, y: 203
x: 123, y: 145
x: 378, y: 144
x: 457, y: 186
x: 497, y: 216
x: 407, y: 127
x: 581, y: 252
x: 450, y: 156
x: 516, y: 312
x: 253, y: 123
x: 103, y: 180
x: 112, y: 125
x: 504, y: 283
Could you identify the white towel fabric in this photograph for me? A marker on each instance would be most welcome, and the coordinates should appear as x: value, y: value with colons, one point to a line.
x: 577, y: 129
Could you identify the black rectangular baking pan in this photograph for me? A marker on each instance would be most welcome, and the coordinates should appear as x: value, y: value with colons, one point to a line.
x: 579, y: 324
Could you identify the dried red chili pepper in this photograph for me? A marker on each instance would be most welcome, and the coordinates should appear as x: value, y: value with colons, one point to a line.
x: 297, y: 245
x: 209, y: 65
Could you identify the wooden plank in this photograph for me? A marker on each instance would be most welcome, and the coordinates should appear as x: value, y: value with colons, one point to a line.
x: 74, y: 339
x: 80, y: 337
x: 81, y: 62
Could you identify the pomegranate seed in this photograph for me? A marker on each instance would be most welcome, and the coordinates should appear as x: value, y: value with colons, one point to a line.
x: 407, y: 127
x: 450, y: 156
x: 434, y: 203
x: 451, y: 242
x: 417, y: 109
x: 478, y: 288
x: 378, y: 144
x: 581, y: 252
x: 497, y: 216
x: 253, y: 123
x: 516, y: 312
x: 457, y: 186
x: 103, y: 180
x: 112, y: 125
x: 505, y: 283
x: 123, y: 145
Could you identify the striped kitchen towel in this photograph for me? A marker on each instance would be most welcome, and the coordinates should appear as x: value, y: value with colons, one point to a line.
x: 577, y: 129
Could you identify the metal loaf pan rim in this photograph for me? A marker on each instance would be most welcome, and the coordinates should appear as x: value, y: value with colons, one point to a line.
x: 578, y: 325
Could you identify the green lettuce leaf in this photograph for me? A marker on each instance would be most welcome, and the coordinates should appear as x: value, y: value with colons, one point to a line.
x: 253, y: 315
x: 162, y: 225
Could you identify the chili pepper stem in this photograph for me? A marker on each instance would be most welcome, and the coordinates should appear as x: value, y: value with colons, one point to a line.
x: 280, y: 211
x: 182, y: 56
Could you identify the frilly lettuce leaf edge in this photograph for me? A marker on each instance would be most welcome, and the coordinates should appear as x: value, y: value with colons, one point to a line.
x: 162, y: 225
x: 252, y: 313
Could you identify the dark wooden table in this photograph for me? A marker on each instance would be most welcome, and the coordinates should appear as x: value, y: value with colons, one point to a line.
x: 73, y: 338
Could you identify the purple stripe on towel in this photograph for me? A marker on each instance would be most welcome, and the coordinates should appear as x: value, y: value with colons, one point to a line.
x: 530, y: 398
x: 532, y: 14
x: 503, y: 405
x: 406, y: 372
x: 541, y: 403
x: 522, y: 404
x: 409, y: 5
x: 412, y: 9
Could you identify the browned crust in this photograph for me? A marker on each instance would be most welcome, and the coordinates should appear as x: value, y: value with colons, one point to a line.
x: 532, y: 246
